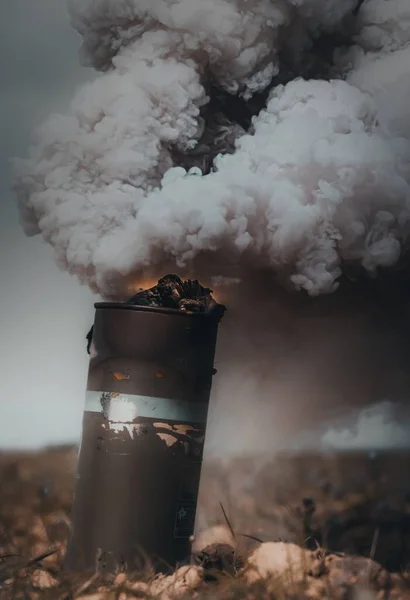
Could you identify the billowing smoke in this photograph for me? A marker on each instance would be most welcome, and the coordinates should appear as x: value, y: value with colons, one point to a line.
x: 244, y: 139
x: 299, y: 373
x: 375, y: 428
x: 307, y: 175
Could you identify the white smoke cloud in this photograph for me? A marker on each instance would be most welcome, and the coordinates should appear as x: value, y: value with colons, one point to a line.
x: 235, y: 40
x: 319, y: 178
x: 372, y: 429
x: 384, y: 25
x: 378, y: 63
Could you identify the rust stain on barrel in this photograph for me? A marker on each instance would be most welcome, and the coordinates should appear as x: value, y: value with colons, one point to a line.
x: 120, y: 376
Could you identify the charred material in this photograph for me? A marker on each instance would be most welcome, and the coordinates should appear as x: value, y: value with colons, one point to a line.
x: 172, y: 292
x: 218, y: 558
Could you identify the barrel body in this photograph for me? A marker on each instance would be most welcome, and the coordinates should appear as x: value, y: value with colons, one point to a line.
x: 143, y: 435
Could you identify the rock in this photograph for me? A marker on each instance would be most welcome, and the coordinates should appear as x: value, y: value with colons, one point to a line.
x: 285, y: 562
x: 185, y: 580
x: 317, y: 588
x: 140, y: 587
x: 357, y: 570
x: 43, y: 580
x: 120, y: 579
x: 344, y: 576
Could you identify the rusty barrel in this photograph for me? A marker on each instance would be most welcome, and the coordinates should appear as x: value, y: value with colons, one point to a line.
x: 144, y: 423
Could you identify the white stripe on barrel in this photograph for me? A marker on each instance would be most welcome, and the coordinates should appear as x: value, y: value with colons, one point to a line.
x: 127, y: 407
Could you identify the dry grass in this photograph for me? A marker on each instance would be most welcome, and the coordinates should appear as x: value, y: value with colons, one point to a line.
x: 353, y: 504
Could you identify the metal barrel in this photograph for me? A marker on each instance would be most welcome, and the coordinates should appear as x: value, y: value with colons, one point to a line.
x: 143, y: 435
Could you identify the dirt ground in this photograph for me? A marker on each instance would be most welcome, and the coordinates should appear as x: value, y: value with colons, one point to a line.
x: 358, y: 504
x: 340, y: 501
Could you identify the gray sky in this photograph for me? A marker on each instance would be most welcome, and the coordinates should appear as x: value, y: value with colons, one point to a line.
x: 45, y: 314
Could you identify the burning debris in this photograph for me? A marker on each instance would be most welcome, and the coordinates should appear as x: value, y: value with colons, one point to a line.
x: 172, y: 292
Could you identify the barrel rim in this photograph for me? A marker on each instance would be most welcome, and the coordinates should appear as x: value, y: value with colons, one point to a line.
x: 152, y: 309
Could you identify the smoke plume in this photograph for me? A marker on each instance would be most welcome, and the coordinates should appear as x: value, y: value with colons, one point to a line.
x: 259, y: 141
x: 208, y: 141
x: 299, y: 373
x: 374, y: 428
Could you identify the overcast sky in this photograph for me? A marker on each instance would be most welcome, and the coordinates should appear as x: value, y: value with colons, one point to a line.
x: 45, y: 314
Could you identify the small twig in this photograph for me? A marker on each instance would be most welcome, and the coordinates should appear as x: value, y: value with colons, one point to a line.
x: 373, y: 548
x: 39, y: 558
x: 3, y: 556
x: 6, y: 573
x: 227, y: 521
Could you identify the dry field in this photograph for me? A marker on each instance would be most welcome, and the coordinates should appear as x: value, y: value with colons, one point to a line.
x: 341, y: 509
